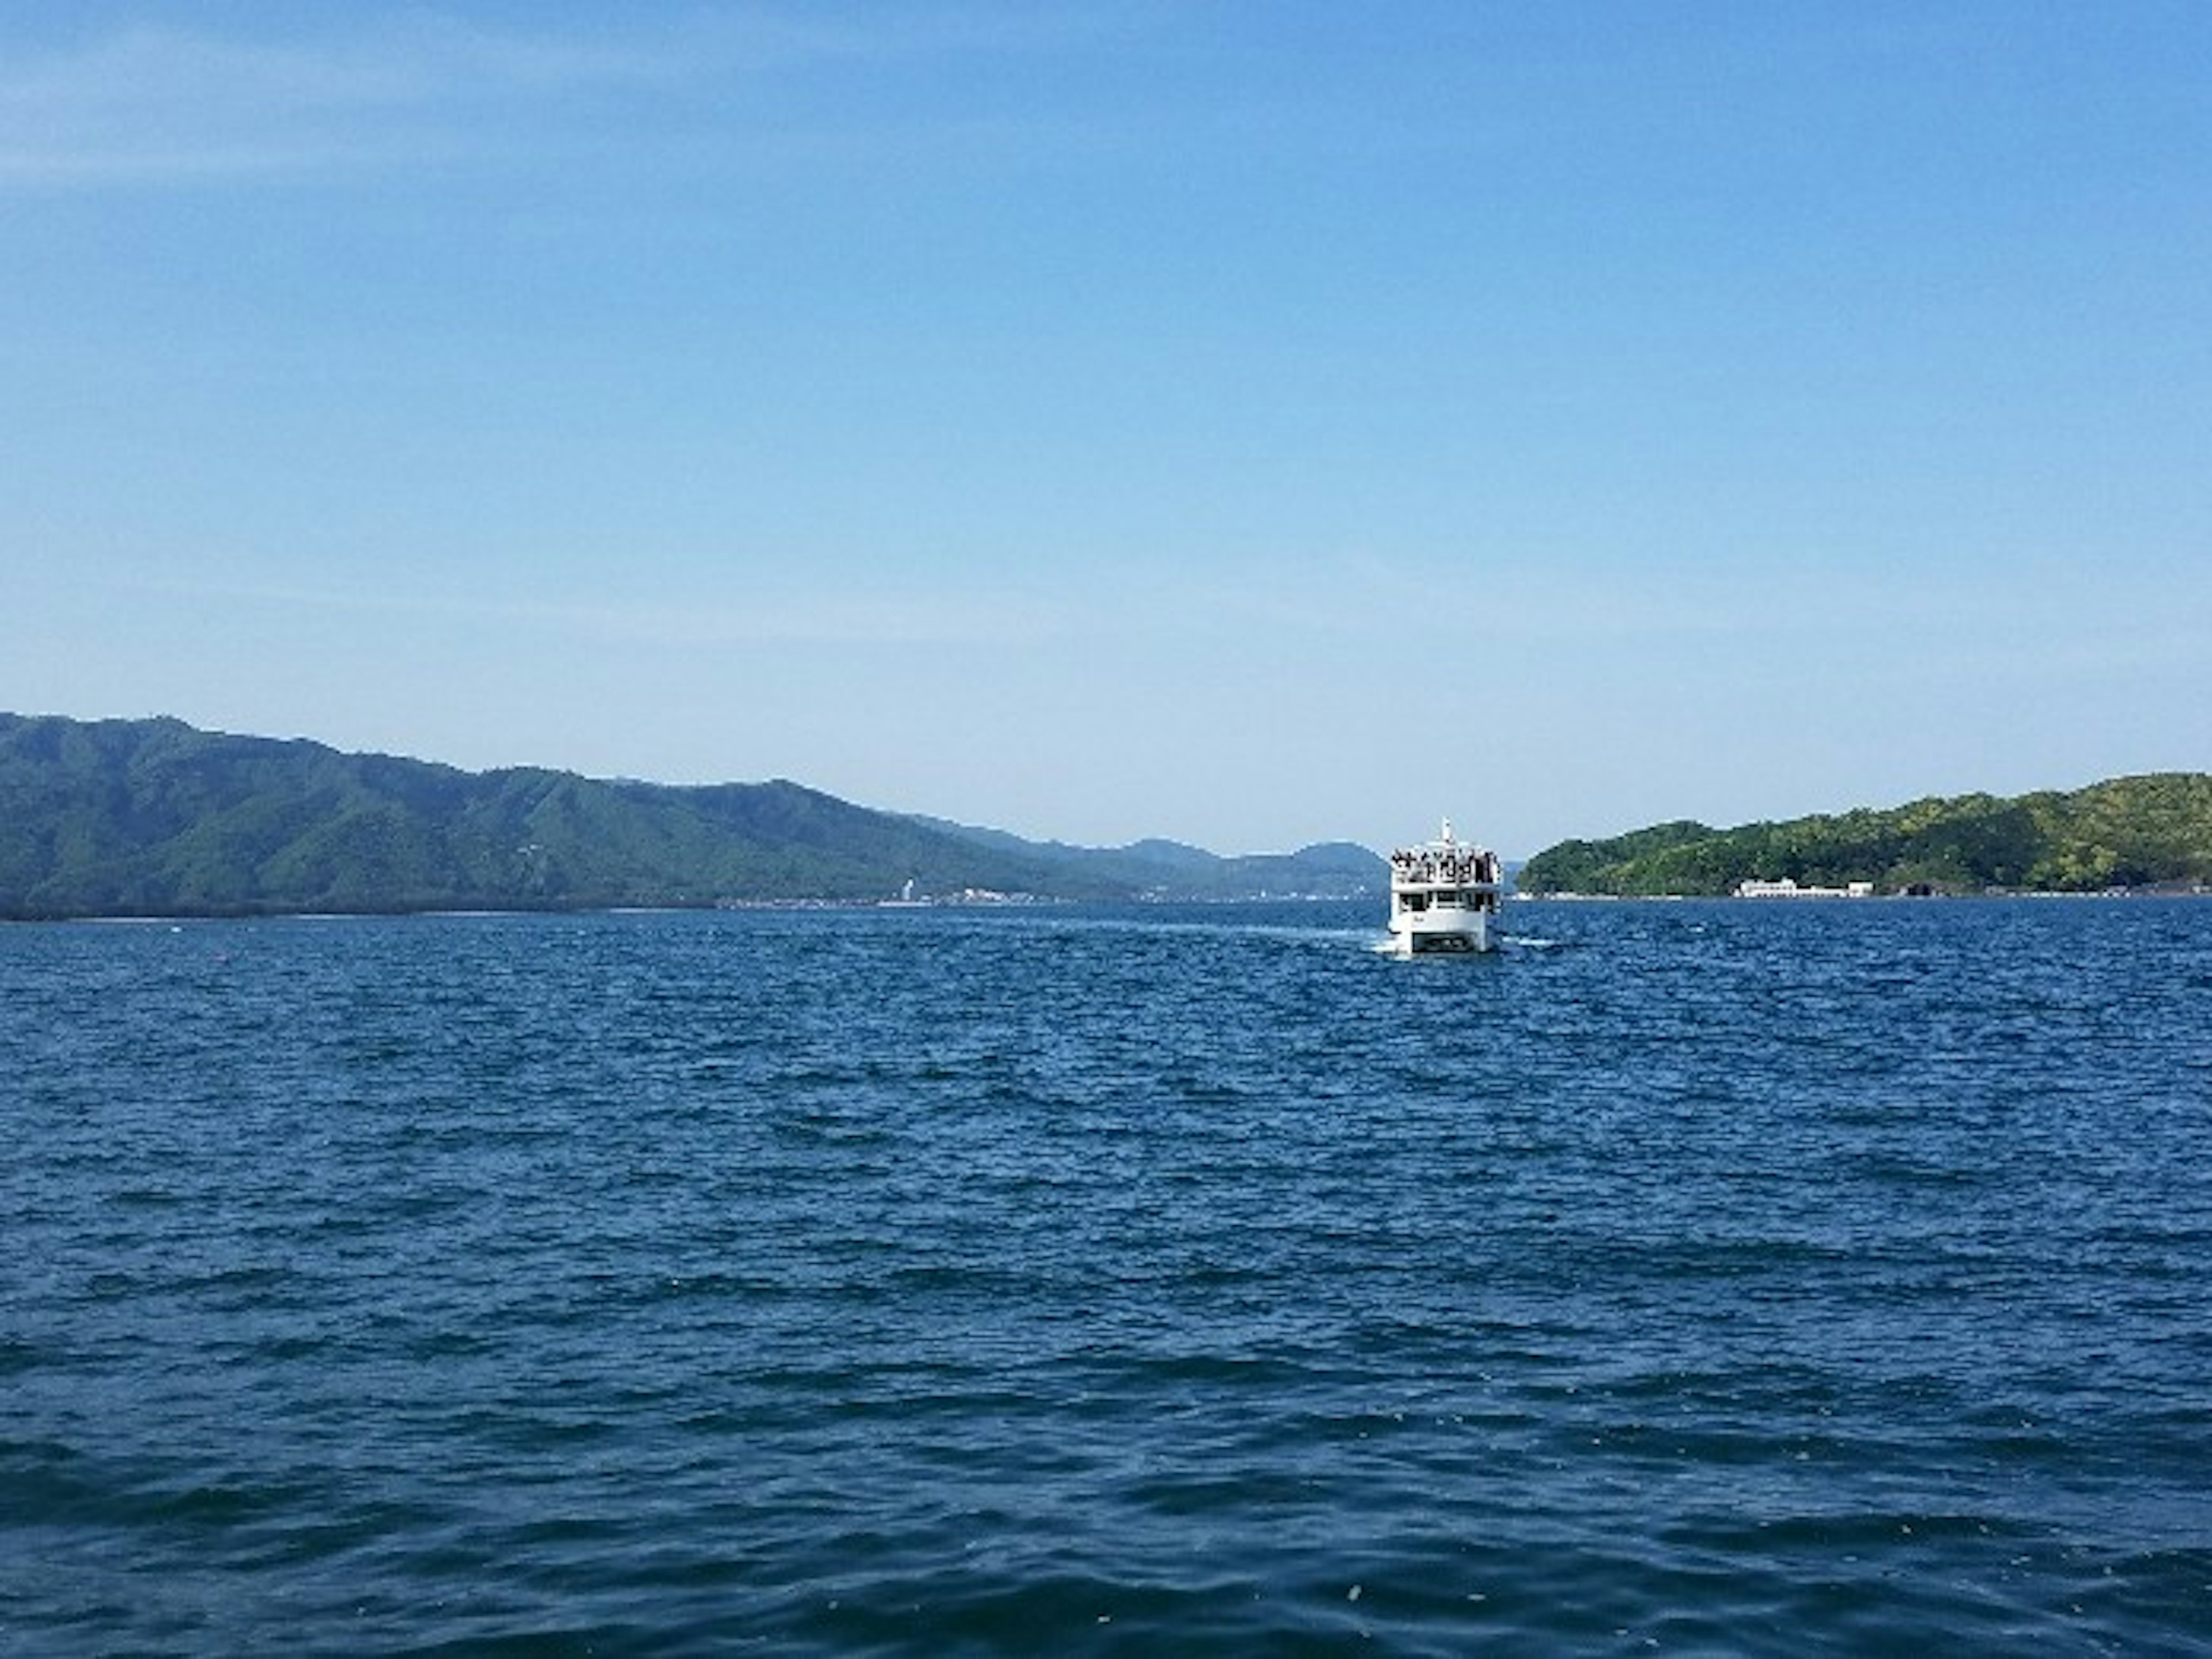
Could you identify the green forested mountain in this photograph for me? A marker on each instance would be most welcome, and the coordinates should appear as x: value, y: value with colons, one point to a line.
x: 155, y: 818
x: 2128, y: 832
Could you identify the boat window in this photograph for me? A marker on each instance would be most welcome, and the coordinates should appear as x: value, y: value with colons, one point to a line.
x: 1448, y: 898
x: 1417, y: 900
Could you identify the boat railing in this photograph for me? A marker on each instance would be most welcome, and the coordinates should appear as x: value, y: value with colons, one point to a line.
x: 1452, y: 867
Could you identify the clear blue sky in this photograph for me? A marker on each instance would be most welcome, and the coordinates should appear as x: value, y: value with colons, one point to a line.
x: 1252, y: 424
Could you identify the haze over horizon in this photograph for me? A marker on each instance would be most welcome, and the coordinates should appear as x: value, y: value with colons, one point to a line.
x: 1249, y: 426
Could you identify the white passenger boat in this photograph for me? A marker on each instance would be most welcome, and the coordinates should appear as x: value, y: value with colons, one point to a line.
x: 1444, y: 896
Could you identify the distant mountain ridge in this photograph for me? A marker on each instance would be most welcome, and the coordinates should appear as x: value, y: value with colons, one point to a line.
x: 2150, y: 831
x: 157, y: 818
x: 1157, y: 868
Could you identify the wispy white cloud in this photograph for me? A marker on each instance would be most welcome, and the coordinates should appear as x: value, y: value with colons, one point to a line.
x: 156, y: 104
x: 824, y: 617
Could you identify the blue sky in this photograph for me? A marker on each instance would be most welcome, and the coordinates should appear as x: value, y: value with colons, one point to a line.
x: 1249, y: 424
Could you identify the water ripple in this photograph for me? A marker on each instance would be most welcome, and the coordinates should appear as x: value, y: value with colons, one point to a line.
x: 1707, y: 1277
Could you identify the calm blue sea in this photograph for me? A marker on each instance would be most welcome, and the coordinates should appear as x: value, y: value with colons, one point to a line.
x: 1771, y: 1278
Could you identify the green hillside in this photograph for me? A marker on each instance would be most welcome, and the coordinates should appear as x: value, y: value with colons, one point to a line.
x: 2149, y: 831
x: 156, y: 818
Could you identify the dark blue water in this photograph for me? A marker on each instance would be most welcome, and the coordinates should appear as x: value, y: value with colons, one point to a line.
x: 1728, y: 1279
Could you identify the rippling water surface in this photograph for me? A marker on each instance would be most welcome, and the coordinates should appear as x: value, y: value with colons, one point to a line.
x: 1784, y: 1278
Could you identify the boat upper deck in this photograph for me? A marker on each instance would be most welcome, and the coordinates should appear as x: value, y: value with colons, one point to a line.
x: 1445, y: 863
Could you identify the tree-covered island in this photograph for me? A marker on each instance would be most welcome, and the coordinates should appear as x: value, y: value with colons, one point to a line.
x: 2154, y: 831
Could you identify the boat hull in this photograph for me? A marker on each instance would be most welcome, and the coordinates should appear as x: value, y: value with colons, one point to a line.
x: 1429, y: 934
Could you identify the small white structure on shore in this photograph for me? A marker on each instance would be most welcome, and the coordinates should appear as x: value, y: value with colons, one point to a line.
x: 1787, y: 888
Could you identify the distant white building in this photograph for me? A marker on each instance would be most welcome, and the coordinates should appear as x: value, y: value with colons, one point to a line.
x: 1786, y: 888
